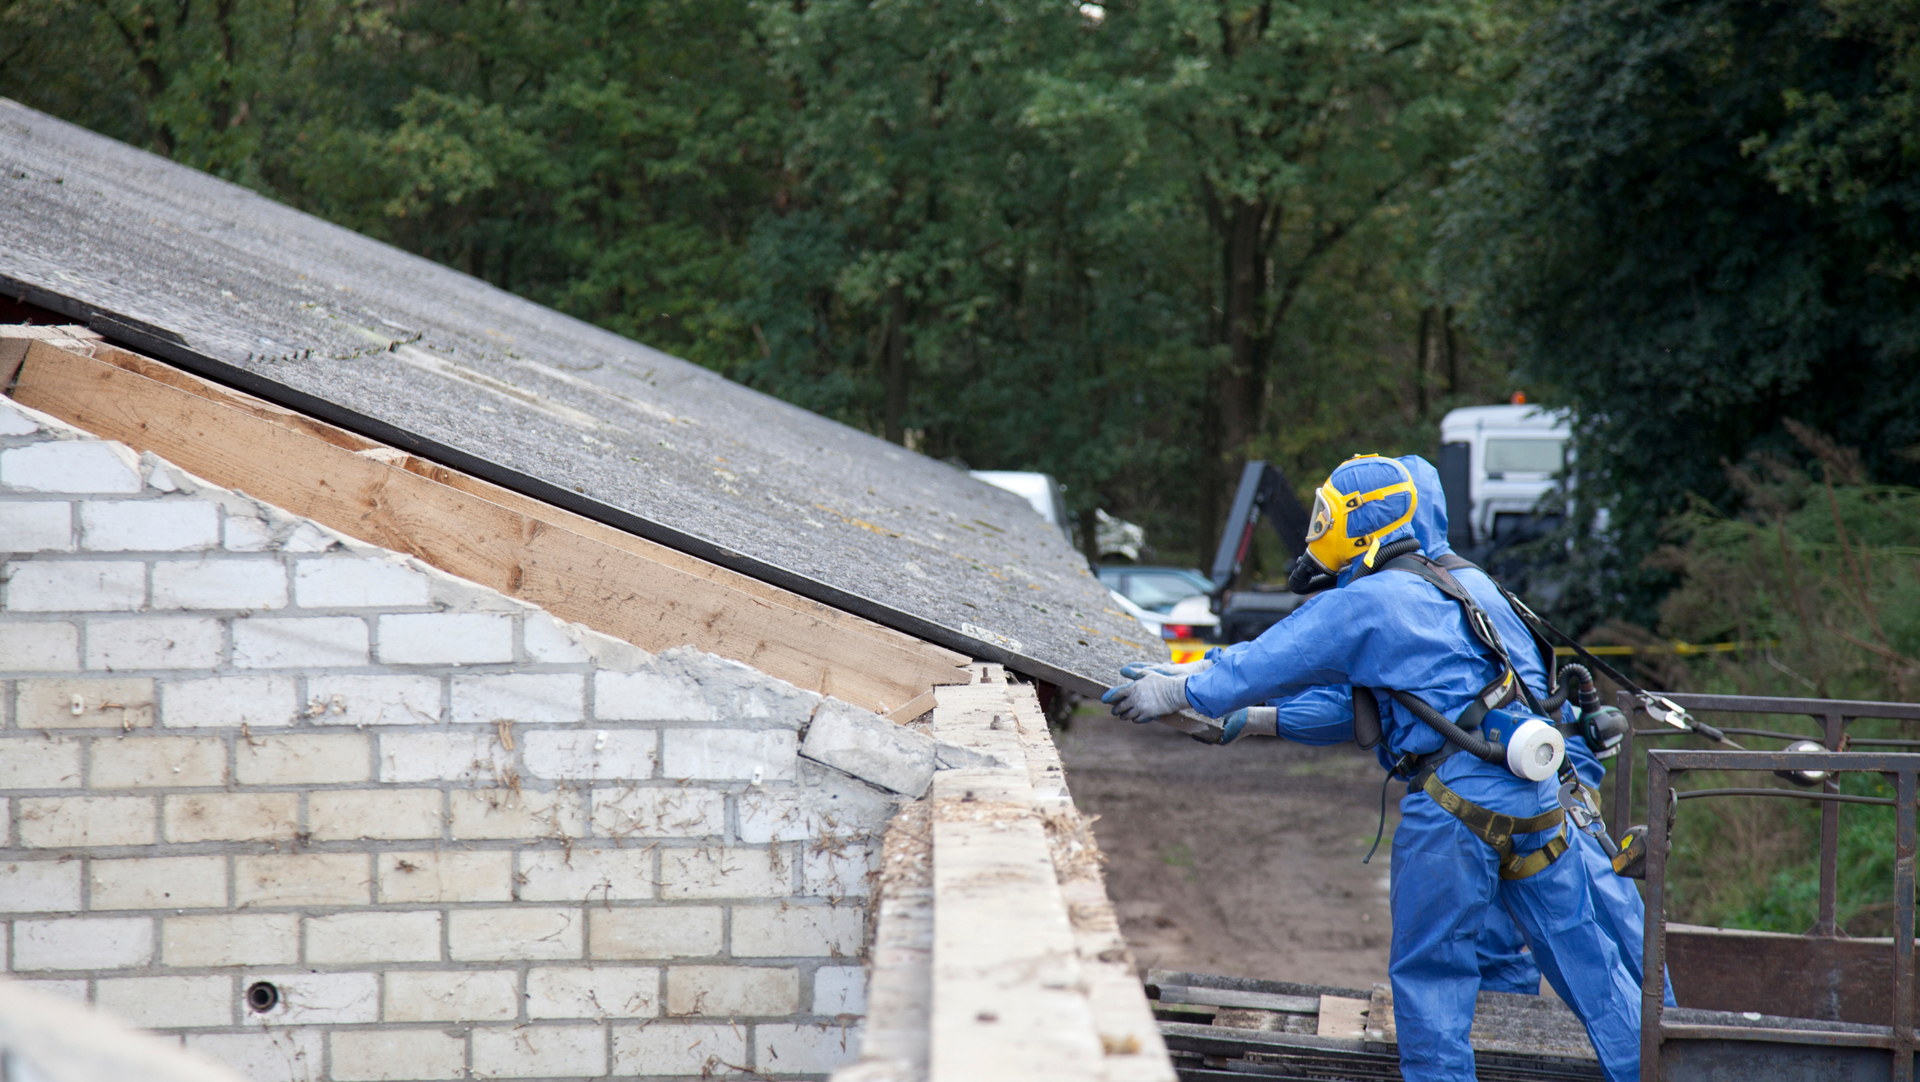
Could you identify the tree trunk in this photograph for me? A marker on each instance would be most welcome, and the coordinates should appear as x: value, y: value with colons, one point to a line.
x: 1421, y: 353
x: 1243, y: 383
x: 1452, y: 347
x: 897, y: 367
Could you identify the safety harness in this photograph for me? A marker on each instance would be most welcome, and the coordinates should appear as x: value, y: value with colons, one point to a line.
x: 1494, y: 828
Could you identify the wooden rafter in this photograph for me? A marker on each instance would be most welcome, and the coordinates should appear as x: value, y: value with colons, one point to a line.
x: 577, y: 569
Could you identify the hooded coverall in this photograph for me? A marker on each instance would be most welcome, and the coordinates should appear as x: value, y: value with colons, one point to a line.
x: 1394, y: 630
x: 1325, y: 716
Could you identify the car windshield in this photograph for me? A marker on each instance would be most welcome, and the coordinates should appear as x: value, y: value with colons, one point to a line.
x: 1524, y: 456
x: 1157, y: 590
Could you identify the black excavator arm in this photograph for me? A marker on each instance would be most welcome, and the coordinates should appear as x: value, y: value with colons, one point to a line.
x: 1263, y: 493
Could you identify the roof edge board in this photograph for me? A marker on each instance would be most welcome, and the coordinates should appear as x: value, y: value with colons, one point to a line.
x: 169, y: 346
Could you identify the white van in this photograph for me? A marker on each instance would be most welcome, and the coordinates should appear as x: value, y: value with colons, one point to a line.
x: 1496, y: 462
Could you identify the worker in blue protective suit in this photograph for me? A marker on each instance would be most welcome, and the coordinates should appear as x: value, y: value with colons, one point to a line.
x: 1324, y: 715
x: 1395, y: 630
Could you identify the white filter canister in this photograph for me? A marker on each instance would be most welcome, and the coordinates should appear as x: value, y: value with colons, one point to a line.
x: 1535, y: 750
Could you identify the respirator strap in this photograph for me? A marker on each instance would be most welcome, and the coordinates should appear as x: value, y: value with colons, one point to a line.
x: 1497, y: 830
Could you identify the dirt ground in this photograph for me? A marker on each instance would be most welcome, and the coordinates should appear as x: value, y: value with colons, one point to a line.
x: 1243, y: 860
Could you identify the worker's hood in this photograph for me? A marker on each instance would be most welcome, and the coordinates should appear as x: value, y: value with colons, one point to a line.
x: 1429, y: 525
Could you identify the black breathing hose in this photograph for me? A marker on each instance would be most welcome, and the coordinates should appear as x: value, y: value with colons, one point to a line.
x: 1472, y: 743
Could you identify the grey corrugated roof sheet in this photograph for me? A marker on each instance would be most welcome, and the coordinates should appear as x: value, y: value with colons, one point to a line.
x: 661, y: 446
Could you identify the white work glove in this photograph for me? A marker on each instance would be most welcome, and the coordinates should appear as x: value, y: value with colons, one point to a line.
x: 1252, y: 721
x: 1154, y: 695
x: 1134, y: 670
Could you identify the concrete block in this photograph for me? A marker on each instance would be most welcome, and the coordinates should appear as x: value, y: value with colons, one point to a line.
x: 307, y: 538
x: 584, y: 754
x: 484, y: 876
x: 74, y: 822
x: 144, y: 762
x: 732, y: 990
x: 599, y: 992
x: 77, y: 943
x: 73, y: 991
x: 230, y: 939
x: 75, y: 585
x: 446, y: 638
x: 299, y: 642
x: 39, y: 886
x: 540, y: 1052
x: 870, y: 748
x: 166, y: 525
x: 357, y: 938
x: 842, y: 872
x: 586, y: 875
x: 397, y: 1055
x: 547, y: 642
x: 474, y: 755
x: 648, y: 696
x: 39, y: 646
x: 220, y: 584
x: 519, y: 697
x: 14, y: 420
x: 694, y: 1051
x: 109, y: 703
x: 158, y: 882
x: 786, y: 1049
x: 302, y: 759
x: 655, y: 931
x: 301, y: 879
x: 659, y: 812
x: 358, y: 582
x: 232, y: 817
x: 739, y: 692
x: 285, y: 1055
x: 38, y: 526
x: 840, y: 990
x: 498, y: 935
x: 716, y: 872
x: 464, y: 995
x: 374, y: 700
x: 245, y: 533
x: 154, y: 642
x: 827, y: 805
x: 71, y: 466
x: 33, y: 761
x: 258, y: 702
x: 167, y: 1002
x: 502, y: 813
x: 745, y: 754
x: 797, y: 931
x: 350, y: 814
x: 320, y: 999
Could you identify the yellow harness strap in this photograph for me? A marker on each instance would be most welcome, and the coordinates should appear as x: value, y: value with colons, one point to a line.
x: 1497, y: 830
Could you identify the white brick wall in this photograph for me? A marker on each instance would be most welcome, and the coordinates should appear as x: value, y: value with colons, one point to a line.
x: 235, y: 747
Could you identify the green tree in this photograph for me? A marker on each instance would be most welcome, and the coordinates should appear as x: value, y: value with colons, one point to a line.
x: 1693, y: 222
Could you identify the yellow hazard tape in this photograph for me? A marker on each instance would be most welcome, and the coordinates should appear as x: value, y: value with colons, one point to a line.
x: 1675, y: 647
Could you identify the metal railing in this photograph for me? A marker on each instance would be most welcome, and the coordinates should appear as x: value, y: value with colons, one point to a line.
x: 1833, y: 714
x: 1772, y: 1049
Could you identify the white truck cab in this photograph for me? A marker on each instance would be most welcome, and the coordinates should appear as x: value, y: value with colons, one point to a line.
x: 1496, y: 462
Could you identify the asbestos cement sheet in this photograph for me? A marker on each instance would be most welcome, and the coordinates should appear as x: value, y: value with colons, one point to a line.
x: 218, y: 279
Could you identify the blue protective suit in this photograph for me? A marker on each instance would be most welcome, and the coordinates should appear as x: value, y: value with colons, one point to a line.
x: 1324, y: 715
x: 1393, y: 630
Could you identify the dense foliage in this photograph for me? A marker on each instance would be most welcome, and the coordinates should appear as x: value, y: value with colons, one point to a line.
x: 1820, y: 570
x: 1697, y: 220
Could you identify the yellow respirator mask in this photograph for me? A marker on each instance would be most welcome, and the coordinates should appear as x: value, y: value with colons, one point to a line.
x: 1328, y: 542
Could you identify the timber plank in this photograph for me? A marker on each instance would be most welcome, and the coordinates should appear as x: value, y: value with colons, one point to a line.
x: 613, y: 590
x: 941, y: 659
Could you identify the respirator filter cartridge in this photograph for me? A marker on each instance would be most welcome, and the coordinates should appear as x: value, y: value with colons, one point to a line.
x: 1535, y: 750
